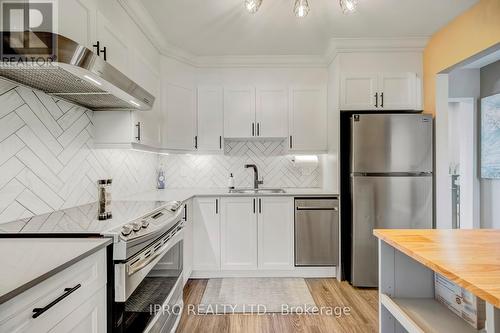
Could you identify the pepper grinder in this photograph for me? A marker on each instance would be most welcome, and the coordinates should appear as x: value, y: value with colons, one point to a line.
x: 104, y: 202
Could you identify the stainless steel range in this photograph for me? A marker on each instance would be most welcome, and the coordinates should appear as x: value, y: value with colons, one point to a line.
x: 147, y: 260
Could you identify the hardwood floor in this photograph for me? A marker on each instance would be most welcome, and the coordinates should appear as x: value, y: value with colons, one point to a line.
x: 363, y: 317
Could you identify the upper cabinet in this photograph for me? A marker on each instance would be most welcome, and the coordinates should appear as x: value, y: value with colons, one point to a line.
x: 179, y: 117
x: 271, y: 112
x: 239, y: 112
x: 80, y: 25
x: 384, y: 91
x: 308, y: 119
x: 210, y: 119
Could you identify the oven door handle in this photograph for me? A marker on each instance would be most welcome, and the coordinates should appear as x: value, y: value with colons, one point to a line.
x: 166, y: 247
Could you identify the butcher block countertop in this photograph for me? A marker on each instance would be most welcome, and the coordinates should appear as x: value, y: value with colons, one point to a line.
x: 470, y: 258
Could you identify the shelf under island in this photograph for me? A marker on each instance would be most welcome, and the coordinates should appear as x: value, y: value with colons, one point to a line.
x: 408, y: 261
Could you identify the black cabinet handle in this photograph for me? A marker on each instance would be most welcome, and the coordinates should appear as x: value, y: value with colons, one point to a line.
x: 258, y: 129
x: 254, y: 205
x: 185, y: 213
x: 138, y: 125
x: 216, y: 206
x: 253, y: 129
x: 376, y: 100
x: 97, y: 46
x: 196, y: 142
x: 220, y: 142
x: 260, y: 206
x: 104, y: 53
x: 291, y: 142
x: 382, y: 100
x: 37, y: 312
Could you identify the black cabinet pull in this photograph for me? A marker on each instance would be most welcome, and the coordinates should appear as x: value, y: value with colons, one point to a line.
x: 291, y: 142
x: 185, y: 213
x: 97, y: 46
x: 382, y: 100
x: 196, y: 142
x: 253, y: 129
x: 258, y: 129
x: 138, y: 125
x: 254, y: 205
x: 216, y: 206
x: 104, y: 53
x: 220, y: 142
x: 37, y: 312
x: 376, y: 100
x: 260, y: 206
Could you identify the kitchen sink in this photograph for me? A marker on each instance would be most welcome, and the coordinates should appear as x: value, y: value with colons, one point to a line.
x: 257, y: 191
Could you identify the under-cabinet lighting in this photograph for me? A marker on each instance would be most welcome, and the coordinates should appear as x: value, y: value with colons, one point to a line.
x: 91, y: 79
x: 134, y: 103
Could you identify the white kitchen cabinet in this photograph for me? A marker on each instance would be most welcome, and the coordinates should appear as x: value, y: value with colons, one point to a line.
x: 271, y: 112
x: 308, y: 119
x: 77, y: 21
x: 239, y: 112
x: 210, y: 118
x: 275, y: 232
x: 238, y: 233
x: 358, y: 91
x: 206, y: 234
x: 114, y: 47
x: 379, y: 91
x: 82, y: 310
x: 179, y: 117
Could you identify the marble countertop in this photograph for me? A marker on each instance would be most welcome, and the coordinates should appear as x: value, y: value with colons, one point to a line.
x: 26, y: 262
x: 183, y: 194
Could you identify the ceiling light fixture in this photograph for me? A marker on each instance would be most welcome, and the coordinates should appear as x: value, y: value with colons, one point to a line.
x: 253, y: 6
x: 348, y: 6
x: 301, y: 8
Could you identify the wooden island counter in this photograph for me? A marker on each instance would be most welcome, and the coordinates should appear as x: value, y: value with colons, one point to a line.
x: 408, y: 260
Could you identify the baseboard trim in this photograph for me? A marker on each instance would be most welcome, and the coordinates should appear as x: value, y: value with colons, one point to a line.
x: 304, y: 272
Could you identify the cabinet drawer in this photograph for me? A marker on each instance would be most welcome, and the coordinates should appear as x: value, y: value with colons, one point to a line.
x: 16, y: 315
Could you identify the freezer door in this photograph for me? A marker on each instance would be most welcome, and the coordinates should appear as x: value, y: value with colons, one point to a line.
x: 383, y: 143
x: 385, y: 203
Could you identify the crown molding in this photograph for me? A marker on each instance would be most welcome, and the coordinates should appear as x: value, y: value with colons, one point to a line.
x: 136, y: 10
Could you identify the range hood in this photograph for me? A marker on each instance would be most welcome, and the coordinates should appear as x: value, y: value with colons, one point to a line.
x: 75, y: 74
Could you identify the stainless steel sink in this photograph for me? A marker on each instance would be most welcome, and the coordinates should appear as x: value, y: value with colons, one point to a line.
x: 257, y: 191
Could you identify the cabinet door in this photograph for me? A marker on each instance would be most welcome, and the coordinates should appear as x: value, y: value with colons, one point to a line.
x: 77, y: 21
x: 210, y: 118
x: 272, y: 112
x: 275, y: 229
x: 149, y: 121
x: 399, y: 91
x: 308, y: 119
x: 179, y: 128
x: 238, y: 233
x: 357, y: 91
x: 239, y: 112
x: 89, y: 317
x: 117, y: 50
x: 206, y: 231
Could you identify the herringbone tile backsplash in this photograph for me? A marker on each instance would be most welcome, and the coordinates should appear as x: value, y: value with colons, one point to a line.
x: 276, y: 169
x: 47, y: 161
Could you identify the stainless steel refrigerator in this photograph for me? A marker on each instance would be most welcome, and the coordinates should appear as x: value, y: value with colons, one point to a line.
x: 391, y: 183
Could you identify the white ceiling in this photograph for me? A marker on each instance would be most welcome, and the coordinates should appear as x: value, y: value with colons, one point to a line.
x: 223, y: 27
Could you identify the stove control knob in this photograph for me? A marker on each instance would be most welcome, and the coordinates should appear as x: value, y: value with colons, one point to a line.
x: 137, y: 226
x: 126, y: 230
x: 145, y: 224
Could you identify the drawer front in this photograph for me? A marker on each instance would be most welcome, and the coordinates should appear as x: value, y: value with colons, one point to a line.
x: 16, y: 315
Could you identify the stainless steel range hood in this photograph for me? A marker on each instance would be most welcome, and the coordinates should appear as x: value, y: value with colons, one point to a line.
x: 76, y: 74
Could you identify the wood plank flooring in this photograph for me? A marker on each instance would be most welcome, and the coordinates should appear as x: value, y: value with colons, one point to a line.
x: 363, y: 317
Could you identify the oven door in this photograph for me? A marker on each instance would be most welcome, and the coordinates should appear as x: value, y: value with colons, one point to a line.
x: 148, y: 287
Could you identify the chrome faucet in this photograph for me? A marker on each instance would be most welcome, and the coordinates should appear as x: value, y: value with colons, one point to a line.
x: 256, y: 181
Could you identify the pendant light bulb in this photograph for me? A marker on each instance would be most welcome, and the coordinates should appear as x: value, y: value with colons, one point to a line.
x: 252, y: 6
x: 301, y: 8
x: 348, y: 6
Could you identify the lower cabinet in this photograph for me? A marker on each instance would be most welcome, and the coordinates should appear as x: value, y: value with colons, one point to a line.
x: 239, y: 233
x: 81, y: 310
x: 275, y: 233
x: 206, y: 234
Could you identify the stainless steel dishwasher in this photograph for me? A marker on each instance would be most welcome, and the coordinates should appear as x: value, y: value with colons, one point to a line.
x: 316, y: 232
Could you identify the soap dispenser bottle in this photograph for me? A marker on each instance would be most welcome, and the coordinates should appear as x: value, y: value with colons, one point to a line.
x: 230, y: 182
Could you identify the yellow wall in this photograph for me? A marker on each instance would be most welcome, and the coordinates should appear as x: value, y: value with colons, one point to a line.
x: 470, y: 33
